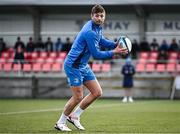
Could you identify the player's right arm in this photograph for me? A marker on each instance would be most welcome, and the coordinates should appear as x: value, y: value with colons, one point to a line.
x: 92, y: 42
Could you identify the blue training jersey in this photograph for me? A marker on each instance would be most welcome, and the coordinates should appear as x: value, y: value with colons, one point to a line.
x: 87, y: 44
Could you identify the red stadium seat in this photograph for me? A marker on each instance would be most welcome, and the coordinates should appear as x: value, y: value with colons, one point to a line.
x: 43, y: 55
x: 10, y: 50
x: 7, y: 67
x: 56, y: 67
x: 152, y: 60
x: 59, y: 59
x: 144, y: 55
x: 53, y: 55
x: 2, y: 60
x: 140, y: 67
x: 5, y: 55
x: 173, y: 55
x: 27, y: 67
x: 142, y: 61
x: 46, y: 67
x: 62, y: 55
x: 34, y: 55
x: 153, y: 55
x: 96, y: 67
x: 171, y: 67
x: 106, y: 67
x: 50, y: 60
x: 161, y: 68
x: 150, y: 68
x: 40, y: 60
x: 11, y: 53
x: 16, y: 67
x: 36, y: 67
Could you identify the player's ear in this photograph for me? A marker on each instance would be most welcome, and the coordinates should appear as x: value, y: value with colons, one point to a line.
x: 91, y: 15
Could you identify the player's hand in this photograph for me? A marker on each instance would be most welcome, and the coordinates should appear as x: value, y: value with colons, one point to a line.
x: 119, y: 50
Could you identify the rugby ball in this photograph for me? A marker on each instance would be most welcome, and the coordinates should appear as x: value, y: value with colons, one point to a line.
x: 125, y: 42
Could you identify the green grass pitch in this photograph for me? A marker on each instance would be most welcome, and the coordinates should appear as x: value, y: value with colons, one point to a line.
x: 104, y: 116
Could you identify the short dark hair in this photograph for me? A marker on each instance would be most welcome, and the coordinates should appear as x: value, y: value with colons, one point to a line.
x: 97, y: 9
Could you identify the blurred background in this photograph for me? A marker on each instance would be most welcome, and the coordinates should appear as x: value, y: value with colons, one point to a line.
x: 35, y: 37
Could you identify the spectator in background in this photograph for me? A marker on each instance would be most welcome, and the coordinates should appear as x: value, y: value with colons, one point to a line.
x: 19, y: 56
x: 18, y: 44
x: 173, y: 46
x: 67, y: 45
x: 49, y: 45
x: 2, y: 45
x: 164, y: 46
x: 39, y: 46
x: 162, y: 57
x: 144, y: 45
x: 30, y: 45
x: 58, y: 45
x: 154, y: 45
x: 135, y: 49
x: 128, y: 71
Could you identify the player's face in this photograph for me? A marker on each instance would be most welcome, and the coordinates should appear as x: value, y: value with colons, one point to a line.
x: 98, y: 18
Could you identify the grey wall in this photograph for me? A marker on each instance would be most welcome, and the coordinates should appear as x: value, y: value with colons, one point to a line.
x: 49, y: 87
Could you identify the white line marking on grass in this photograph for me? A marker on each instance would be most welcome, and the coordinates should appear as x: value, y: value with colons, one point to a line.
x: 51, y: 110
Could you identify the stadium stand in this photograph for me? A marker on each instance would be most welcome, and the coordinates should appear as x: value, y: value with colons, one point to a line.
x: 148, y: 62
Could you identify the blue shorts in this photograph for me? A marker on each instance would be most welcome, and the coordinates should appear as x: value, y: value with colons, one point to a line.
x: 76, y: 77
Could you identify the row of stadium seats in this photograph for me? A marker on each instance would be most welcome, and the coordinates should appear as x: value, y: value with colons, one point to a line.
x: 34, y: 67
x: 41, y: 62
x: 47, y: 67
x: 101, y: 67
x: 151, y: 68
x: 148, y: 62
x: 35, y: 56
x: 153, y: 57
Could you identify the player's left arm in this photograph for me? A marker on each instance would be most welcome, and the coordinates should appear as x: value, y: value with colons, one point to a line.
x: 107, y: 43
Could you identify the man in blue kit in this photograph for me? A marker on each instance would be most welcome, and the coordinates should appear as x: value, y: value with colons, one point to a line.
x: 78, y: 71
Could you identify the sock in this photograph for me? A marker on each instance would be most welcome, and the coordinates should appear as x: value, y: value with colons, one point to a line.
x: 62, y: 119
x: 78, y: 111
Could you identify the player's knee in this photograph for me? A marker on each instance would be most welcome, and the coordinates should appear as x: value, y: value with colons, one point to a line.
x: 97, y: 94
x: 78, y: 99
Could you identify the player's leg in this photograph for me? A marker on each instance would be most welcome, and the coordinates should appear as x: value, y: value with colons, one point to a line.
x: 95, y: 92
x: 77, y: 95
x: 89, y: 80
x: 75, y: 82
